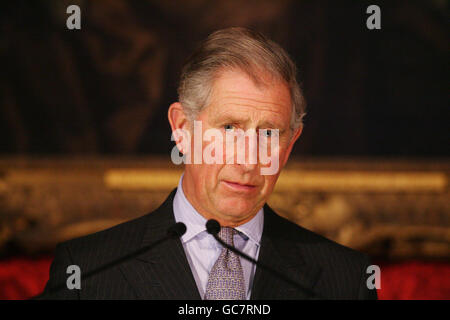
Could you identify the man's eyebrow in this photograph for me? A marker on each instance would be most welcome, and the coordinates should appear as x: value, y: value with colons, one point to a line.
x: 269, y: 124
x: 227, y: 118
x: 223, y: 118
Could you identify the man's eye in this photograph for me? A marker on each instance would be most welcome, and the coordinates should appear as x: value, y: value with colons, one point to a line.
x: 228, y: 127
x: 267, y: 132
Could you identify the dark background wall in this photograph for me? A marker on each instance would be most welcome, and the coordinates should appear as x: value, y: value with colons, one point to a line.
x: 105, y: 89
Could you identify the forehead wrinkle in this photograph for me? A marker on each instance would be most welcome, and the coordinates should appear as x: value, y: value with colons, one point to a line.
x: 248, y: 103
x: 249, y: 108
x: 262, y: 105
x: 234, y: 95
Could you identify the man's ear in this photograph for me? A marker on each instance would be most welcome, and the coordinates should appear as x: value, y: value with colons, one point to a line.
x: 179, y: 124
x: 177, y: 118
x: 296, y: 134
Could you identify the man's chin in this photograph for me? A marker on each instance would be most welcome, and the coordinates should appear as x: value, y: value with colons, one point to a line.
x: 237, y: 209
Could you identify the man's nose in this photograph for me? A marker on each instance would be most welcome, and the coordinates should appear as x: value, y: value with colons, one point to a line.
x: 251, y: 153
x: 249, y: 167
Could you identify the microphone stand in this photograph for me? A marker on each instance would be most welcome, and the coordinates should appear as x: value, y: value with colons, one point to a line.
x: 213, y: 227
x: 177, y: 230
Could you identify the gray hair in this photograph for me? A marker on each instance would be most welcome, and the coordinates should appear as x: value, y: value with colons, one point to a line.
x: 242, y: 49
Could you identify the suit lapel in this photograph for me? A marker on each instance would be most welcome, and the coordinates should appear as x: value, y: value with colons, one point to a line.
x: 162, y: 272
x: 281, y: 252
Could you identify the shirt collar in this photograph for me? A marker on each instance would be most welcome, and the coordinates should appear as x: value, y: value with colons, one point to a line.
x: 195, y: 222
x: 253, y: 228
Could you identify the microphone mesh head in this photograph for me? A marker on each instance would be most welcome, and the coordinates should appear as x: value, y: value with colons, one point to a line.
x: 212, y: 226
x: 177, y: 230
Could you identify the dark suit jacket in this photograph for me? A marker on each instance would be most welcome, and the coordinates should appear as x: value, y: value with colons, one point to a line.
x: 332, y: 271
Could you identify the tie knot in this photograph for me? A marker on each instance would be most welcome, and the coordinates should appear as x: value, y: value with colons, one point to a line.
x: 226, y: 234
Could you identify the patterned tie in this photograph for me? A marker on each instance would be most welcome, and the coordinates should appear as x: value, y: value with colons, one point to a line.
x: 226, y: 279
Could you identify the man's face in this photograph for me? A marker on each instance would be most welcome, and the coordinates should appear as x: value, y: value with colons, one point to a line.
x: 233, y: 193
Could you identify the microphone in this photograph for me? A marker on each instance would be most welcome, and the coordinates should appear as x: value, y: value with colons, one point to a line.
x: 213, y: 227
x: 175, y: 231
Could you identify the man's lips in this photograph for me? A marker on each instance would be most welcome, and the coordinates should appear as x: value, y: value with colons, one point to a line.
x: 238, y: 186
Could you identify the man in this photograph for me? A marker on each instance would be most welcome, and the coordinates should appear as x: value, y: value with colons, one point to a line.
x: 238, y: 84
